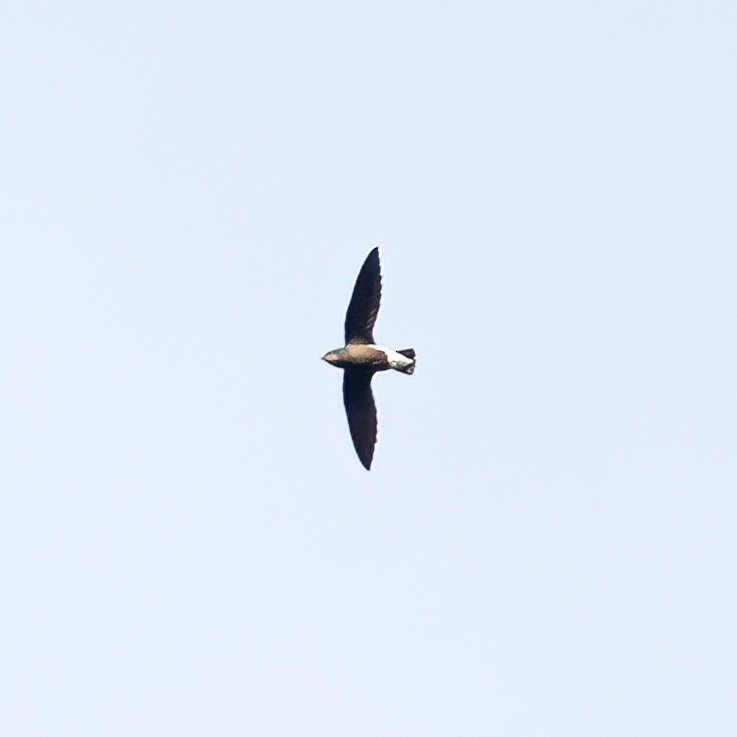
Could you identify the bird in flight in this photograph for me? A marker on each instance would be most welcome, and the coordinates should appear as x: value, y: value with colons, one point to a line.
x: 361, y: 358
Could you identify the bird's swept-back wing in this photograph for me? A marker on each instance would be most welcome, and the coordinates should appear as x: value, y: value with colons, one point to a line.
x: 361, y: 412
x: 364, y: 305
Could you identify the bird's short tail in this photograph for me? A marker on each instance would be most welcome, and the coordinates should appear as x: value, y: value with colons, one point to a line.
x: 410, y: 367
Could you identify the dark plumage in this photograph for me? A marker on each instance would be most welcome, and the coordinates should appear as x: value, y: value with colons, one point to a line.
x: 361, y: 358
x: 365, y: 300
x: 361, y: 412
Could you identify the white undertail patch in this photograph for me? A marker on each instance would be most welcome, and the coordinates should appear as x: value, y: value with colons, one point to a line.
x: 396, y: 360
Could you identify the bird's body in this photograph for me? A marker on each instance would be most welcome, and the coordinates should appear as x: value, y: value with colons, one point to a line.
x: 361, y: 358
x: 374, y: 356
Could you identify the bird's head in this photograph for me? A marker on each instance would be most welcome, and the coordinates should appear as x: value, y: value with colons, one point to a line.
x: 333, y: 357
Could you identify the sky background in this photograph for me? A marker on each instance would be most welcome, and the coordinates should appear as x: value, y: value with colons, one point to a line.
x: 546, y: 545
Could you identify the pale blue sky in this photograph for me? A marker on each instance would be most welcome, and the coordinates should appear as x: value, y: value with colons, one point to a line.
x: 546, y: 544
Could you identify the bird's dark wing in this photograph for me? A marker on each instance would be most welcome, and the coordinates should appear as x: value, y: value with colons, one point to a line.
x: 364, y: 305
x: 361, y: 411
